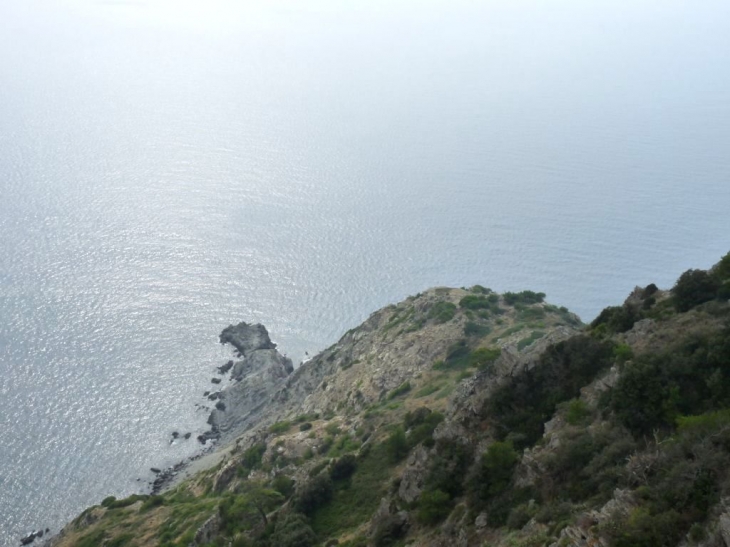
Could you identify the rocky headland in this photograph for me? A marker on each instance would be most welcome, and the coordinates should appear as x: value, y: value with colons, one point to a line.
x: 461, y: 417
x: 254, y: 378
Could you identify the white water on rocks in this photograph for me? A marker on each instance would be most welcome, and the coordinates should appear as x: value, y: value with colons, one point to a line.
x: 168, y: 168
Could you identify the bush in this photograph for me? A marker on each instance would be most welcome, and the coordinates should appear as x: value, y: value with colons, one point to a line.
x: 402, y: 389
x: 577, y: 411
x: 252, y: 457
x: 616, y: 318
x: 106, y: 502
x: 280, y: 427
x: 151, y: 502
x: 433, y: 507
x: 693, y: 288
x: 448, y: 467
x: 524, y: 297
x: 284, y: 485
x: 441, y: 312
x: 306, y: 426
x: 534, y: 335
x: 482, y: 290
x: 649, y: 291
x: 396, y: 446
x: 494, y: 475
x: 293, y: 530
x: 475, y: 329
x: 690, y: 377
x: 422, y: 425
x: 473, y: 302
x: 459, y: 356
x: 623, y: 353
x: 482, y: 358
x: 313, y: 494
x: 113, y: 503
x: 343, y: 468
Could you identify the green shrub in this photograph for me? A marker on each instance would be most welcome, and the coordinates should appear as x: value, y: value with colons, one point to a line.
x: 252, y: 457
x: 396, y: 445
x: 704, y: 424
x: 531, y: 314
x: 280, y: 427
x: 576, y: 412
x: 113, y: 503
x: 402, y: 389
x: 483, y: 358
x: 616, y: 319
x: 460, y: 356
x: 534, y: 335
x: 433, y: 507
x: 422, y: 425
x: 692, y: 288
x: 484, y: 290
x: 690, y: 377
x: 306, y: 426
x: 283, y: 484
x: 152, y: 502
x: 317, y: 469
x: 473, y: 302
x: 343, y: 468
x: 306, y: 418
x: 524, y: 297
x: 494, y: 475
x: 476, y: 329
x: 293, y: 530
x: 623, y: 353
x: 448, y: 467
x: 441, y: 312
x: 106, y: 502
x: 332, y: 429
x: 427, y: 390
x: 313, y: 494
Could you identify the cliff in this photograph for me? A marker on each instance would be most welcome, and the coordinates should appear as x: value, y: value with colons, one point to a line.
x: 464, y: 417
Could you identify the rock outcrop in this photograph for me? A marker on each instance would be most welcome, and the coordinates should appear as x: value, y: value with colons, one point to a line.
x: 255, y: 378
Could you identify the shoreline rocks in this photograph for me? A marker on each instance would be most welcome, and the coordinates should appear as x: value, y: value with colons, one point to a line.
x: 256, y: 377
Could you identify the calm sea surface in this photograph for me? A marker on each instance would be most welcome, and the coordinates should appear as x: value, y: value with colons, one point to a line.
x: 167, y: 168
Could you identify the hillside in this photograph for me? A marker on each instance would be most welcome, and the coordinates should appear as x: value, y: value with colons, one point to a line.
x: 464, y: 417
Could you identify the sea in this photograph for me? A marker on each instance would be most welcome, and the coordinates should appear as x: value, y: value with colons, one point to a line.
x: 170, y: 167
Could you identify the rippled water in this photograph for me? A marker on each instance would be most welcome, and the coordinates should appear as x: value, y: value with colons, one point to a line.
x: 167, y: 168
